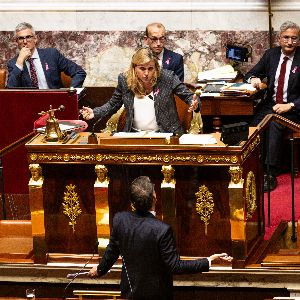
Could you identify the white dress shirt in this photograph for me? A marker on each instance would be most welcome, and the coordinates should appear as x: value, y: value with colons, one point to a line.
x: 39, y: 70
x: 144, y: 113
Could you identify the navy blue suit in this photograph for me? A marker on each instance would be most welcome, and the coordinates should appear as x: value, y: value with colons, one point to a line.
x: 174, y: 62
x: 53, y: 63
x: 266, y: 68
x: 149, y: 254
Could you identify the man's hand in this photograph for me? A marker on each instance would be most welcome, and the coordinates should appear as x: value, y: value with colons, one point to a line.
x: 93, y: 272
x: 222, y: 256
x: 23, y: 55
x: 282, y: 108
x: 256, y: 82
x: 194, y: 104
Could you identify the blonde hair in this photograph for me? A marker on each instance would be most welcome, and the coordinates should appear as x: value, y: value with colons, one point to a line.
x: 140, y: 57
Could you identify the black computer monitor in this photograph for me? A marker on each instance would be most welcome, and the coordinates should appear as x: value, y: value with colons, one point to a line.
x: 237, y: 53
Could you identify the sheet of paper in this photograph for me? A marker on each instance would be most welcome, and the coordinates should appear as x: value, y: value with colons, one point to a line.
x: 63, y: 127
x: 226, y: 72
x: 142, y: 134
x: 240, y: 86
x: 197, y: 139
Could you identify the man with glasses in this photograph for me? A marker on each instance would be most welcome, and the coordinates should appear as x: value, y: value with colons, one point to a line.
x: 155, y: 38
x: 281, y: 68
x: 39, y: 68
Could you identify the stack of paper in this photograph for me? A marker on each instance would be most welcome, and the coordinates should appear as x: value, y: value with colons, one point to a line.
x: 239, y: 89
x: 225, y: 73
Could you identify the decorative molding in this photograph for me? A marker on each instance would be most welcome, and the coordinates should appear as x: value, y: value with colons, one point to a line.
x: 251, y: 197
x: 71, y: 205
x: 145, y: 6
x: 138, y: 158
x: 204, y: 205
x: 134, y: 6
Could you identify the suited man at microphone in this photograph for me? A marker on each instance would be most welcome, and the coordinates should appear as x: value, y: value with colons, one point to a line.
x: 37, y: 67
x: 148, y: 249
x: 281, y: 67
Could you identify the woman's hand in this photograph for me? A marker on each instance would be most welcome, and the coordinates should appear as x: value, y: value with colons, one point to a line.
x: 87, y: 113
x: 194, y: 104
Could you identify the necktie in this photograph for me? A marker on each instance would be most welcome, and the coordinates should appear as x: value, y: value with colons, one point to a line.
x: 34, y: 79
x: 279, y: 93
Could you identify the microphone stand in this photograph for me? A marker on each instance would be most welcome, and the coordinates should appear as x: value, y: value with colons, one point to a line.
x: 80, y: 271
x: 93, y: 139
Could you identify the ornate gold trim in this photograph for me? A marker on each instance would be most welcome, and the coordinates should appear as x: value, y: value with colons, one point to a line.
x: 204, y: 205
x: 134, y: 158
x: 250, y: 148
x: 250, y: 194
x: 71, y: 205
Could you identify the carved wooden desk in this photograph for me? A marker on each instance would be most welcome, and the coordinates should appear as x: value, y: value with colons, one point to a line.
x: 210, y: 194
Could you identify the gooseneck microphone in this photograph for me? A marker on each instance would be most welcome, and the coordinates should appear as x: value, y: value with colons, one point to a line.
x: 73, y: 276
x: 92, y: 139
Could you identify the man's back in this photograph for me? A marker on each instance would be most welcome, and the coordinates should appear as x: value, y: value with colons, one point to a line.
x: 139, y: 239
x: 148, y: 249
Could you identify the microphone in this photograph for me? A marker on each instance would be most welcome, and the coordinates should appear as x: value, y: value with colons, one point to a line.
x: 79, y: 273
x: 92, y: 139
x: 74, y: 275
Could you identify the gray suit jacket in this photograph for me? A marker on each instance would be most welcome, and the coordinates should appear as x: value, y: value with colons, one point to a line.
x: 165, y: 105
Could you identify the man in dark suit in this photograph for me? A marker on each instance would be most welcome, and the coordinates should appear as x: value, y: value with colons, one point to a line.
x: 40, y: 68
x: 281, y: 67
x: 155, y: 38
x: 148, y: 249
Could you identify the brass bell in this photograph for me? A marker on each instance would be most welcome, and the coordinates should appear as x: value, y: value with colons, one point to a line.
x: 53, y: 132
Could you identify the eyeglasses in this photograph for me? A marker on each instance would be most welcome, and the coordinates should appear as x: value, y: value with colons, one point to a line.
x: 23, y: 38
x: 286, y: 38
x: 155, y: 39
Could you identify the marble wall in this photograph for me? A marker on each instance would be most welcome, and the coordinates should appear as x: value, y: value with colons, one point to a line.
x: 105, y: 54
x: 102, y: 35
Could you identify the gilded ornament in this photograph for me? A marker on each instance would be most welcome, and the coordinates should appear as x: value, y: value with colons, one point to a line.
x: 236, y: 174
x: 102, y: 177
x: 36, y: 175
x: 66, y: 157
x: 168, y: 180
x: 71, y: 206
x: 200, y: 159
x: 204, y: 205
x: 250, y: 194
x: 33, y: 156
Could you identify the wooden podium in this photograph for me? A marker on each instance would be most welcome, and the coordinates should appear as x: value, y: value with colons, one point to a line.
x: 210, y: 194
